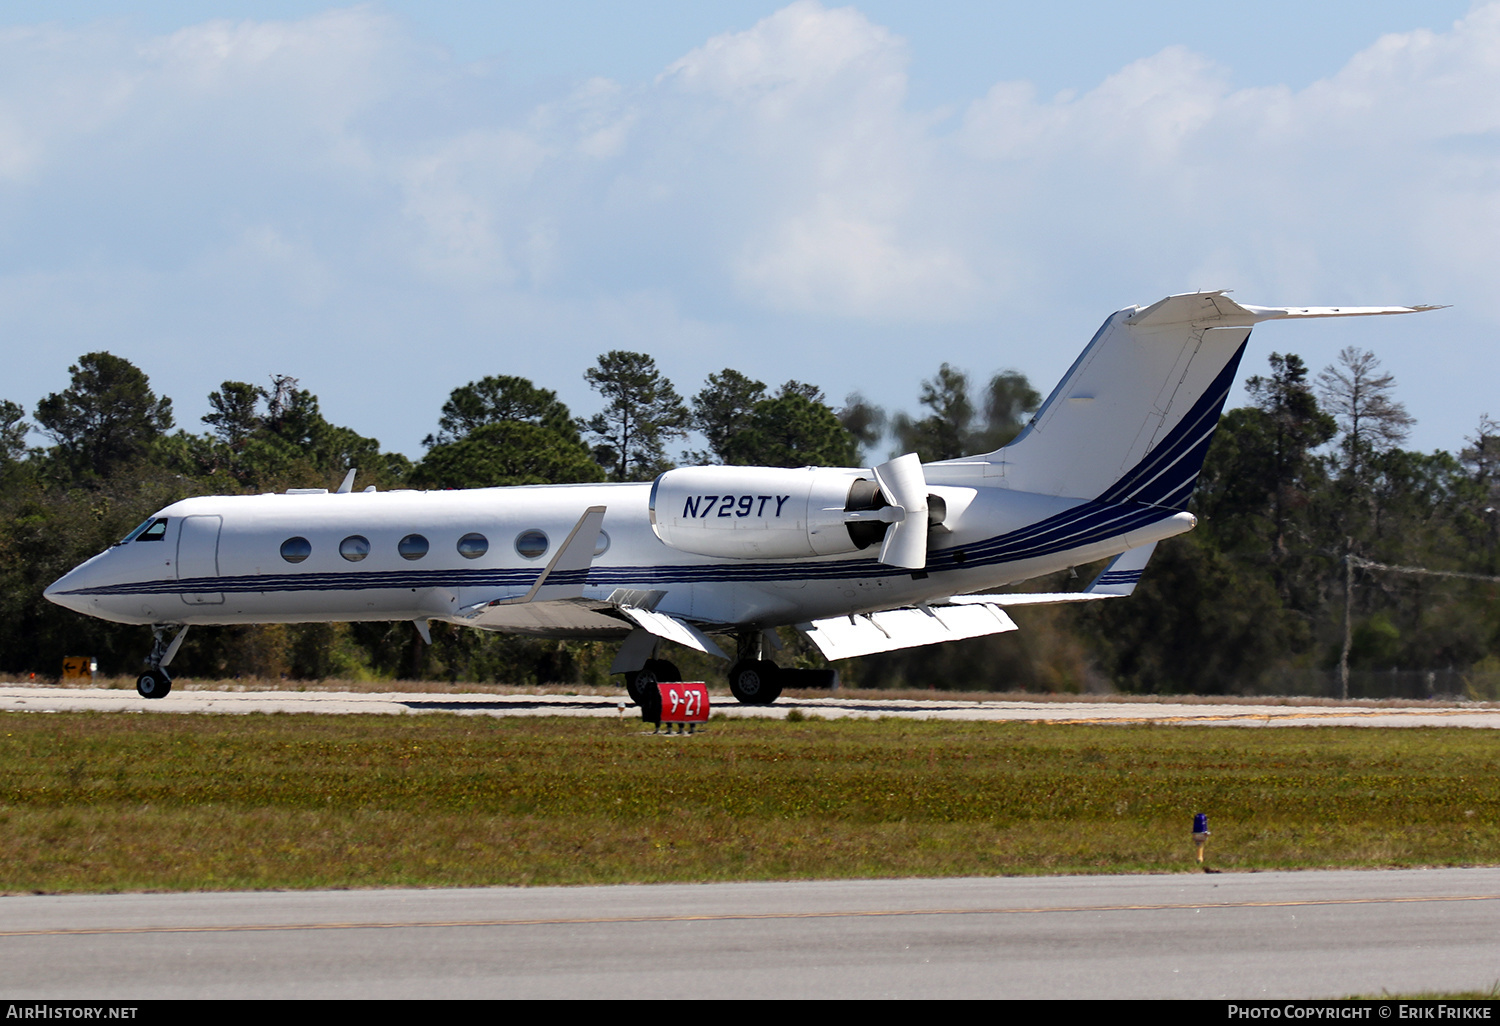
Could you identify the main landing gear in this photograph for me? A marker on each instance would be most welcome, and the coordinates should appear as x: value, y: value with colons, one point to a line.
x: 641, y: 684
x: 755, y: 681
x: 156, y: 682
x: 752, y: 679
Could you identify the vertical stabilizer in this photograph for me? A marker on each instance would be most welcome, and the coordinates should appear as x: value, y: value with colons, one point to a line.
x: 1132, y: 419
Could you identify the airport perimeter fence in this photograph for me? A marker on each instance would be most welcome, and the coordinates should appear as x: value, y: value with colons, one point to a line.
x: 1454, y: 685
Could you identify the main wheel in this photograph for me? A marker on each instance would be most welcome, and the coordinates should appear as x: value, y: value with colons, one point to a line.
x: 153, y: 684
x: 755, y: 682
x: 641, y: 685
x: 661, y: 670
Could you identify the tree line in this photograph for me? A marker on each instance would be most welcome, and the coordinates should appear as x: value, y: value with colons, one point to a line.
x: 1310, y: 472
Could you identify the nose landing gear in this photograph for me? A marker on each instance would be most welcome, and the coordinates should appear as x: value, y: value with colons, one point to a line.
x: 156, y: 682
x: 153, y: 684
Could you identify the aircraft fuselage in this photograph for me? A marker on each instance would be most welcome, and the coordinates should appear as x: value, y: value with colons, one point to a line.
x: 415, y: 555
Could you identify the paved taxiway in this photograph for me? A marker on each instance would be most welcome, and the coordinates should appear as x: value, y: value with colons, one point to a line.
x: 1238, y: 714
x: 1250, y: 935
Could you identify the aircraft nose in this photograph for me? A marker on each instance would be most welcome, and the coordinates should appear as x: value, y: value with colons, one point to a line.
x: 58, y: 590
x: 70, y: 590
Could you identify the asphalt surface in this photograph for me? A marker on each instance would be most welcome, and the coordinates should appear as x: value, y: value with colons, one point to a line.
x: 1252, y: 935
x: 1238, y: 714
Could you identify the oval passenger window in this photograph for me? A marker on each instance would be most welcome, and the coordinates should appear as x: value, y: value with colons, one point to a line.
x: 472, y: 546
x: 354, y: 548
x: 531, y: 544
x: 295, y: 550
x: 413, y: 546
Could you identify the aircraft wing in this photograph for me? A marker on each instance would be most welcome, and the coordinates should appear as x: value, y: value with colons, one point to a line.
x: 569, y: 618
x: 565, y: 575
x: 555, y: 600
x: 962, y: 616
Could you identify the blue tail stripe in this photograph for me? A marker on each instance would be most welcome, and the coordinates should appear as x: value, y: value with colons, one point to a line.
x: 1167, y: 475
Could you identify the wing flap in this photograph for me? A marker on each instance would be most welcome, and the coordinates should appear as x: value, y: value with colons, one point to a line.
x: 845, y: 637
x: 672, y: 629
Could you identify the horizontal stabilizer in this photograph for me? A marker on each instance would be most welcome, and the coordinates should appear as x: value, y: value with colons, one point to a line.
x: 844, y: 637
x: 1116, y: 581
x: 1217, y: 308
x: 1123, y: 573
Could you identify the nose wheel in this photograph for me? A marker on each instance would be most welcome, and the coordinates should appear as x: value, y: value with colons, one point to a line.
x: 153, y: 684
x: 155, y: 681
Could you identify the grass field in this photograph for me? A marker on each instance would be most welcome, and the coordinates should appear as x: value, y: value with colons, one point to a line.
x: 95, y: 802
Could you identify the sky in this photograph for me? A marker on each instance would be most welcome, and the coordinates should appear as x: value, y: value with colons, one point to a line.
x: 389, y: 200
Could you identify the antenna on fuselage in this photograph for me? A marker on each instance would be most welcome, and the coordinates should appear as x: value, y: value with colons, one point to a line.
x: 348, y: 485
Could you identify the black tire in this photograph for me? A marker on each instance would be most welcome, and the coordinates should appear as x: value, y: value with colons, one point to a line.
x: 632, y: 688
x: 662, y: 670
x: 641, y: 685
x: 755, y: 682
x: 153, y: 684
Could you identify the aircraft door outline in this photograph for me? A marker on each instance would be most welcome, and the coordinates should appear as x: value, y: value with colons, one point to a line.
x: 198, y: 556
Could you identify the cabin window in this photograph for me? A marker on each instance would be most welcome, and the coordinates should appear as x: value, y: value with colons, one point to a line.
x: 532, y: 544
x: 413, y: 546
x: 472, y: 546
x: 354, y: 548
x: 601, y: 545
x: 295, y: 550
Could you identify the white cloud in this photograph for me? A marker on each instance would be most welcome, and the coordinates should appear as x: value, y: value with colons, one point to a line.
x: 332, y: 179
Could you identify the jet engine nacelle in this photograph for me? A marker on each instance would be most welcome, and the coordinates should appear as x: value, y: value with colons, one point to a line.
x: 768, y: 512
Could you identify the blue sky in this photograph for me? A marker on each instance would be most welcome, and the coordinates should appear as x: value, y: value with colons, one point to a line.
x: 389, y: 200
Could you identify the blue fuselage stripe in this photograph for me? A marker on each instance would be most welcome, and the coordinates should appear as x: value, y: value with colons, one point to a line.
x: 1086, y: 524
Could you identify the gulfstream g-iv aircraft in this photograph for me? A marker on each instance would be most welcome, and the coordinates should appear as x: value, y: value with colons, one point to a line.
x: 860, y: 560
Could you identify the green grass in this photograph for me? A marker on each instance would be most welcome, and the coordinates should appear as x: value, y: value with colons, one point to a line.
x: 92, y: 802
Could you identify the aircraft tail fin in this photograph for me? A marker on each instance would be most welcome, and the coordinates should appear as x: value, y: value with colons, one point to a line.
x: 1132, y: 419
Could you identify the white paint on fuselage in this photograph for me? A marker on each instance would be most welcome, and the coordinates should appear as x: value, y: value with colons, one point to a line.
x: 720, y: 593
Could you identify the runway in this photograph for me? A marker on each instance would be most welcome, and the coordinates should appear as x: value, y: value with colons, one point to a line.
x: 1253, y: 935
x: 1226, y: 714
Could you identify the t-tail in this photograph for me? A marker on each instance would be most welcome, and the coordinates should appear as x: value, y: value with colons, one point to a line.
x: 1132, y: 419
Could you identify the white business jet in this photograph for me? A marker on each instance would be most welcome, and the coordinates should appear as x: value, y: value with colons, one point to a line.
x: 859, y: 560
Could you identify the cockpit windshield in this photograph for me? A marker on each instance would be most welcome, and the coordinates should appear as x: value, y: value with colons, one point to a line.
x: 151, y: 529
